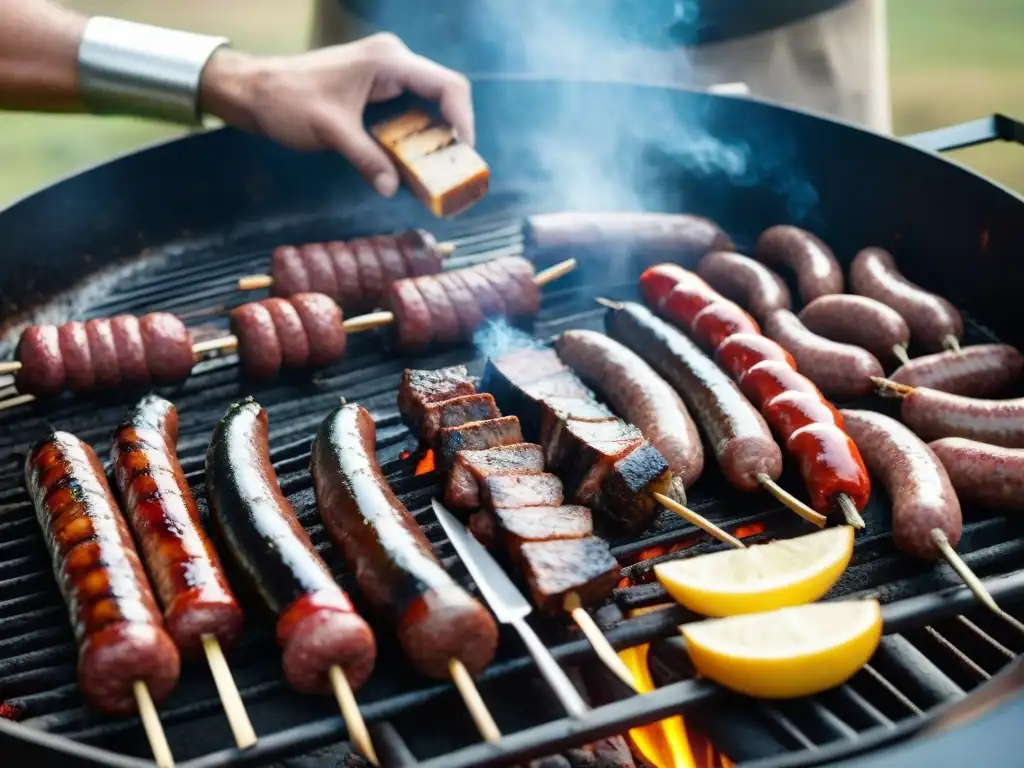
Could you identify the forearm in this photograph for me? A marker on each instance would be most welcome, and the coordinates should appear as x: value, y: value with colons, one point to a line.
x: 38, y: 52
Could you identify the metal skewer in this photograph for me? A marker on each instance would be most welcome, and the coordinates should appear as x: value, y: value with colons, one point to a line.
x: 154, y: 728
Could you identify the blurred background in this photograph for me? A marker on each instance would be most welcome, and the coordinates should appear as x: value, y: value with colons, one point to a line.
x: 950, y: 61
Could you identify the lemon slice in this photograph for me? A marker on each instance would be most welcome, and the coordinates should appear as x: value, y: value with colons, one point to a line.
x: 761, y: 578
x: 788, y: 653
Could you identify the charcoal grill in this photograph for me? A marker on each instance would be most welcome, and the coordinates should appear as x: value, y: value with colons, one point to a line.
x: 172, y: 228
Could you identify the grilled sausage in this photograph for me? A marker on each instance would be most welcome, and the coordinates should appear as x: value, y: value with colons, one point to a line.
x: 737, y: 433
x: 393, y: 561
x: 746, y: 281
x: 42, y: 365
x: 860, y: 321
x: 935, y: 324
x: 670, y: 289
x: 317, y: 627
x: 717, y: 322
x: 817, y: 271
x: 120, y: 634
x: 840, y: 370
x: 179, y: 557
x: 933, y: 414
x: 922, y: 496
x: 640, y: 396
x: 103, y: 351
x: 987, y: 475
x: 741, y: 351
x: 131, y: 349
x: 982, y: 370
x: 168, y: 345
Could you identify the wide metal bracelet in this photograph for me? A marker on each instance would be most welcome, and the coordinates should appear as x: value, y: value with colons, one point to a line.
x: 136, y: 69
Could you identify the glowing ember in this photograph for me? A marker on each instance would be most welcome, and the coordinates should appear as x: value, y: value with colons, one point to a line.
x: 8, y: 711
x: 426, y: 463
x: 404, y: 455
x: 751, y: 529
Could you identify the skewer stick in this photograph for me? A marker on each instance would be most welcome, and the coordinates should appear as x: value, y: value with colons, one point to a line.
x: 154, y: 729
x: 849, y: 510
x: 15, y: 401
x: 366, y: 322
x: 791, y: 502
x: 610, y: 303
x: 9, y: 366
x: 561, y: 269
x: 238, y: 718
x: 889, y: 388
x: 698, y: 520
x: 951, y: 342
x: 474, y: 702
x: 226, y: 344
x: 900, y: 353
x: 351, y: 715
x: 255, y: 282
x: 593, y: 633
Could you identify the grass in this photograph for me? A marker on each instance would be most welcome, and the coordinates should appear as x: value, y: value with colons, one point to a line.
x: 950, y: 61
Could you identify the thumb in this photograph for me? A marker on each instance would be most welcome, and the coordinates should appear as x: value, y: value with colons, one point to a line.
x: 347, y: 135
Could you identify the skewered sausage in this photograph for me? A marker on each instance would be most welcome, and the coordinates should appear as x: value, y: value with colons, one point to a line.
x: 640, y: 396
x: 922, y: 496
x: 180, y: 558
x: 737, y: 433
x: 120, y: 634
x: 746, y: 281
x: 817, y: 271
x: 317, y: 627
x: 860, y: 321
x: 987, y: 475
x: 717, y: 322
x: 840, y: 370
x: 741, y: 351
x: 934, y: 323
x: 100, y: 354
x: 390, y: 556
x: 933, y: 414
x: 982, y: 370
x: 354, y: 274
x: 670, y: 289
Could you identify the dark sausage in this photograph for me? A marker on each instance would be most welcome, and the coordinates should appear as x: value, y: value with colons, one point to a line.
x: 412, y: 315
x: 120, y: 634
x: 324, y: 326
x: 259, y: 350
x: 393, y: 561
x: 168, y: 346
x: 638, y: 395
x: 103, y: 351
x: 860, y: 321
x: 840, y: 370
x: 737, y: 433
x: 922, y: 496
x: 817, y: 271
x: 746, y: 281
x: 179, y: 557
x: 987, y: 475
x: 131, y: 349
x: 288, y: 271
x: 317, y: 627
x: 42, y: 366
x: 934, y: 322
x: 933, y: 414
x: 74, y: 350
x: 983, y: 370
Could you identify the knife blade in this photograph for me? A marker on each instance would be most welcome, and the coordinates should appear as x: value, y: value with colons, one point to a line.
x: 509, y: 606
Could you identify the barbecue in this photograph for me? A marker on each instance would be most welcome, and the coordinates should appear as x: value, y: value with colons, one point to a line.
x: 198, y: 238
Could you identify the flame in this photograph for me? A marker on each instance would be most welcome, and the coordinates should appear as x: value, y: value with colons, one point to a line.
x: 748, y: 530
x: 426, y: 463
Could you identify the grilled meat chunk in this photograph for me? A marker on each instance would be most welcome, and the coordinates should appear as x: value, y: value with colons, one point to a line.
x: 471, y: 468
x: 585, y: 451
x: 537, y: 490
x: 518, y: 525
x: 477, y: 435
x: 555, y: 568
x: 418, y: 389
x: 455, y: 413
x: 626, y: 499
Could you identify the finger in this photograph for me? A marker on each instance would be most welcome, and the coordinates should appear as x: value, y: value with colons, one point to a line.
x: 447, y: 87
x: 347, y: 136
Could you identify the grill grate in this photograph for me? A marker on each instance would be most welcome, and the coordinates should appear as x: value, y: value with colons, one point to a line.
x: 923, y: 667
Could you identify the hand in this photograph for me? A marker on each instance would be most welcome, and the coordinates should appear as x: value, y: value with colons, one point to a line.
x: 315, y: 101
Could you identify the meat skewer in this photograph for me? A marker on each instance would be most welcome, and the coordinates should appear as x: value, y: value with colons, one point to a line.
x: 126, y: 661
x: 200, y: 611
x: 326, y: 645
x: 442, y: 630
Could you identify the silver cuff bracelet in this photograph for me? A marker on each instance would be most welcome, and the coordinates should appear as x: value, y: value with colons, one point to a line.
x: 137, y: 69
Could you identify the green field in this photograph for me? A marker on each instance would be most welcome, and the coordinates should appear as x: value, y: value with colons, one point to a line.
x: 950, y: 60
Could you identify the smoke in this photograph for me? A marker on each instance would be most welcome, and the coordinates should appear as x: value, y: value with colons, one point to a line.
x: 497, y: 338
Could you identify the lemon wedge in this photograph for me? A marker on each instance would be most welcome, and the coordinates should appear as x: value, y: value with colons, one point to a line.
x: 787, y: 653
x: 760, y: 578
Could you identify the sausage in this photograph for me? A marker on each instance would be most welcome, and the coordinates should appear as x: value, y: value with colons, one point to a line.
x: 638, y: 395
x: 789, y: 411
x: 918, y: 486
x: 168, y: 346
x: 986, y: 475
x: 303, y: 331
x: 317, y: 627
x: 746, y: 281
x: 717, y: 322
x: 412, y: 315
x: 288, y: 271
x: 935, y: 324
x: 74, y: 350
x: 860, y: 321
x: 121, y: 638
x: 741, y: 351
x: 982, y: 370
x: 737, y: 433
x: 162, y: 512
x: 817, y: 271
x: 346, y: 274
x: 393, y: 561
x: 420, y: 251
x: 769, y: 380
x: 933, y: 414
x: 131, y: 350
x: 103, y: 352
x: 292, y: 339
x: 259, y: 350
x: 675, y: 291
x: 320, y: 268
x: 840, y: 370
x: 444, y: 323
x: 42, y: 365
x: 324, y: 326
x: 371, y: 275
x: 830, y: 465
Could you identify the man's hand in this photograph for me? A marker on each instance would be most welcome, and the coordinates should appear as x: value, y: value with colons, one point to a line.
x: 315, y: 100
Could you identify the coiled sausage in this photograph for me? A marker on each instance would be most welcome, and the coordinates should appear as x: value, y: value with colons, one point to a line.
x: 746, y: 281
x: 817, y: 271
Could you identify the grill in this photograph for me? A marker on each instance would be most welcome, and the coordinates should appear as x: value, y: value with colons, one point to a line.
x: 940, y: 644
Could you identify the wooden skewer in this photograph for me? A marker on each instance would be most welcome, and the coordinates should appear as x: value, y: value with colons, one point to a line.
x: 254, y: 282
x: 351, y: 715
x: 698, y: 520
x: 900, y: 353
x: 849, y: 510
x: 889, y: 388
x: 154, y: 728
x: 610, y: 303
x: 474, y: 702
x: 792, y: 502
x: 592, y: 632
x: 238, y: 718
x: 951, y: 342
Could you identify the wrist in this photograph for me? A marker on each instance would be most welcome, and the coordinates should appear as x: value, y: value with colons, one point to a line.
x: 227, y: 86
